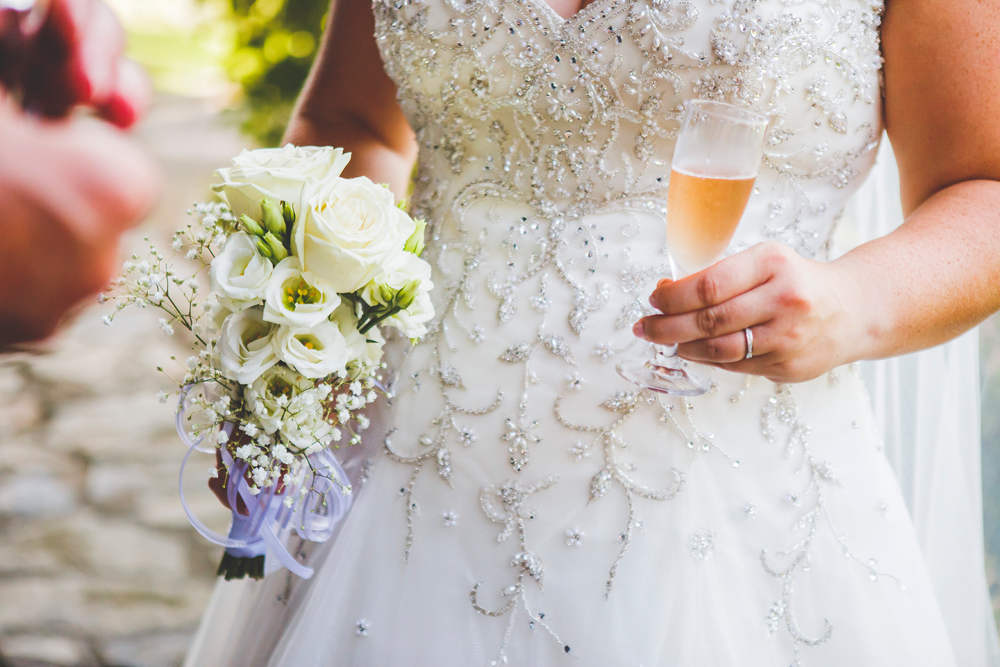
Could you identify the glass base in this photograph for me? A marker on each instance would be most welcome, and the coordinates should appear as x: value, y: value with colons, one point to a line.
x: 656, y: 375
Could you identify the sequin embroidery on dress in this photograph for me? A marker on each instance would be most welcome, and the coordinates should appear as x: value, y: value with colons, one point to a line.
x: 544, y: 151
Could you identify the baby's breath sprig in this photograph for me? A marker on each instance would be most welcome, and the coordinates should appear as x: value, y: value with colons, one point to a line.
x: 152, y: 282
x: 198, y: 240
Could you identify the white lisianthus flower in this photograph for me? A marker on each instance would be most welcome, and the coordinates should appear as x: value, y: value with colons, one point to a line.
x: 293, y: 301
x: 284, y: 401
x: 399, y: 269
x: 412, y: 322
x: 314, y: 352
x: 403, y: 268
x: 347, y: 231
x: 239, y: 273
x: 245, y: 346
x: 270, y: 395
x: 363, y: 351
x: 278, y: 174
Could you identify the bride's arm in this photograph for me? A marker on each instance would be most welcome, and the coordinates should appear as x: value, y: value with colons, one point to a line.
x: 940, y: 270
x: 934, y: 277
x: 349, y: 101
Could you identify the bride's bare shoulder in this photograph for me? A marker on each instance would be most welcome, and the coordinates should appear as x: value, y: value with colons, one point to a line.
x: 350, y: 101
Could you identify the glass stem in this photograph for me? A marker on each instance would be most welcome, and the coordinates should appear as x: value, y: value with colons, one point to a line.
x: 665, y: 352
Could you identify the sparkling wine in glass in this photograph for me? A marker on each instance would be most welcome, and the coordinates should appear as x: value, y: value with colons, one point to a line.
x: 715, y: 163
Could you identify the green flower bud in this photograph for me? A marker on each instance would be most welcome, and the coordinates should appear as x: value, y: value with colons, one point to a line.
x: 263, y: 248
x: 406, y: 295
x: 278, y: 250
x: 415, y: 243
x: 288, y: 213
x: 386, y: 293
x: 271, y: 217
x: 251, y: 226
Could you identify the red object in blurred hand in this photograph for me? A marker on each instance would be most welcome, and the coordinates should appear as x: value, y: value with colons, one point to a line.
x: 60, y: 54
x: 69, y: 187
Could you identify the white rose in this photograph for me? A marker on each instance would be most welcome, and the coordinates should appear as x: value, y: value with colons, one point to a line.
x: 348, y: 231
x: 293, y: 301
x: 245, y: 346
x: 314, y: 352
x: 363, y: 351
x: 239, y: 273
x: 279, y: 174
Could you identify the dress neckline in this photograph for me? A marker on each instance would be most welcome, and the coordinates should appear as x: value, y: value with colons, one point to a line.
x: 580, y: 14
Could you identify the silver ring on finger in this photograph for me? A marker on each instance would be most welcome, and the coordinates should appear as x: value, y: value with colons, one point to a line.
x: 748, y: 335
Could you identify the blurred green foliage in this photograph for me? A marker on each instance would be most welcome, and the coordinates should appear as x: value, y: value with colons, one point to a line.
x: 275, y: 42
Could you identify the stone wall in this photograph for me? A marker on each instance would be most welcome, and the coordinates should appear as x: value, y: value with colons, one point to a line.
x: 97, y: 563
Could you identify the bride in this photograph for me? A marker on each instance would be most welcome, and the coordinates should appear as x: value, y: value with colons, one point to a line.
x: 520, y: 503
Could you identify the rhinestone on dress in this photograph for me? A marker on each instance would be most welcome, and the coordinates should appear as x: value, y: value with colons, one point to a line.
x: 702, y: 545
x: 531, y: 130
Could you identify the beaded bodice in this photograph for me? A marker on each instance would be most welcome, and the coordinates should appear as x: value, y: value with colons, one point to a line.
x: 572, y: 115
x: 544, y: 152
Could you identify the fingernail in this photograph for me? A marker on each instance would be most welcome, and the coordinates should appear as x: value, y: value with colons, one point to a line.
x: 639, y: 329
x: 664, y: 281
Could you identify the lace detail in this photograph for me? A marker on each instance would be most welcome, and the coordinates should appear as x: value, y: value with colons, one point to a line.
x: 575, y: 115
x: 544, y: 151
x: 781, y: 413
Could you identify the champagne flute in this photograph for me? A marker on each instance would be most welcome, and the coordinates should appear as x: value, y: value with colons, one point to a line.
x: 715, y: 163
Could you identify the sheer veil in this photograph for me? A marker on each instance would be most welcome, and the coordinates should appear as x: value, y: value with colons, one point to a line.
x: 927, y: 405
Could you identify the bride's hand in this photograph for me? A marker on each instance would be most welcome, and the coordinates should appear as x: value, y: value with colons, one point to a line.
x: 218, y: 486
x: 799, y: 311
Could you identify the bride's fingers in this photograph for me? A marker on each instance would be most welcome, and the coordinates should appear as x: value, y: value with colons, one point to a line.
x: 732, y: 316
x: 720, y: 282
x: 763, y: 366
x: 729, y: 348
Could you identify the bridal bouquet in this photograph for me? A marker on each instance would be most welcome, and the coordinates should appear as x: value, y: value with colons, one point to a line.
x: 306, y: 269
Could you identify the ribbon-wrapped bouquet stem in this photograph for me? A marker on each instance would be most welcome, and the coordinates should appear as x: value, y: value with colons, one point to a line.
x: 306, y: 271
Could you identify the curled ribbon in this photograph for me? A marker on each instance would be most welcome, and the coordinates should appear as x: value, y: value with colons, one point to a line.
x: 312, y: 508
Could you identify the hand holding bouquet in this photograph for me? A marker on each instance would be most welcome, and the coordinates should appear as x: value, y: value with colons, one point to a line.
x: 306, y: 269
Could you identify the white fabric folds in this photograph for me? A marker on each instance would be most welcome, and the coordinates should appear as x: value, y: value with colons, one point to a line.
x: 927, y: 406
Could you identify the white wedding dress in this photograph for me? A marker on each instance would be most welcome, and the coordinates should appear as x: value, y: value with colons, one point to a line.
x: 518, y: 503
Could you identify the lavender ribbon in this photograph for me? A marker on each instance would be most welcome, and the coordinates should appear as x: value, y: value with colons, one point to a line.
x: 313, y: 514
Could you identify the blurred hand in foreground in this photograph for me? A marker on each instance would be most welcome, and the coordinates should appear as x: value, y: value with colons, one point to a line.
x: 68, y: 189
x: 72, y: 57
x: 69, y: 186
